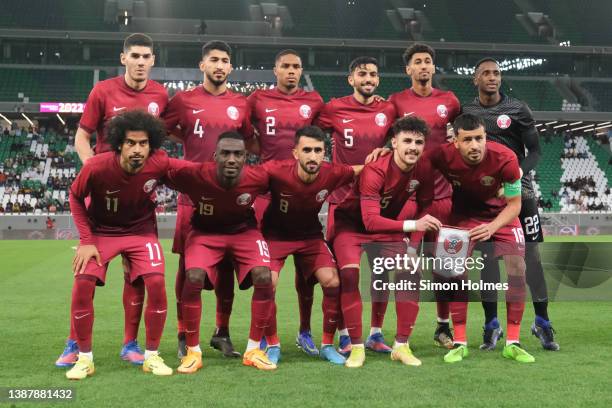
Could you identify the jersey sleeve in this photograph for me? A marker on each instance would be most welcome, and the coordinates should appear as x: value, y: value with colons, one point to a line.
x: 80, y: 189
x: 172, y: 115
x: 454, y: 108
x: 324, y: 121
x: 342, y: 174
x: 371, y: 182
x: 530, y: 138
x: 246, y: 128
x: 510, y: 172
x: 94, y: 111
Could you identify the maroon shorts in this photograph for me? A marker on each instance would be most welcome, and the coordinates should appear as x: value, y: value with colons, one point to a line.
x: 508, y: 240
x: 348, y: 245
x: 308, y: 255
x: 260, y: 206
x: 248, y: 249
x: 143, y: 253
x: 329, y: 228
x: 183, y: 226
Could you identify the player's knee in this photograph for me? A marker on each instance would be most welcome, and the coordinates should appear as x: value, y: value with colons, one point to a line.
x: 328, y: 277
x: 515, y: 265
x: 261, y: 275
x: 274, y: 276
x: 195, y: 275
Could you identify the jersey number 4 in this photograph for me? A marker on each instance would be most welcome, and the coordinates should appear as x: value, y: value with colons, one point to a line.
x: 198, y: 129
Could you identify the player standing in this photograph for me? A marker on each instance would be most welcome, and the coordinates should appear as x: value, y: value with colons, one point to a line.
x: 299, y: 187
x: 369, y: 215
x: 359, y: 124
x: 477, y: 169
x: 509, y: 121
x: 437, y: 108
x: 202, y: 114
x: 277, y: 114
x: 223, y: 224
x: 133, y: 90
x: 120, y: 220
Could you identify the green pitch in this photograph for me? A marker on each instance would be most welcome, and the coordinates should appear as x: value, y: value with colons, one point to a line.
x: 35, y: 285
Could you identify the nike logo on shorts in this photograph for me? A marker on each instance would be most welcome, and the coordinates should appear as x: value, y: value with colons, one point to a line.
x: 82, y: 316
x: 156, y: 263
x: 197, y: 111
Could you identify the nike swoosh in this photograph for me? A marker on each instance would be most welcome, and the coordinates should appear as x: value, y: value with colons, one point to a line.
x: 156, y: 263
x: 266, y: 260
x: 408, y: 113
x: 82, y: 316
x: 270, y: 110
x: 112, y: 192
x: 197, y: 111
x: 160, y: 311
x: 136, y: 304
x: 116, y: 109
x: 536, y: 236
x: 347, y: 120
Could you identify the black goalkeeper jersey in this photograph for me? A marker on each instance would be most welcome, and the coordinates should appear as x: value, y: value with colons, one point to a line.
x: 510, y: 123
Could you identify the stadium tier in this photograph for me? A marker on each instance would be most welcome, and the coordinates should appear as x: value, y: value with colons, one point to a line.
x: 45, y: 84
x: 602, y: 92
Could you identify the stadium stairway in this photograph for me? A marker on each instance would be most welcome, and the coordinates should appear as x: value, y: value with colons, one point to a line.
x: 549, y: 171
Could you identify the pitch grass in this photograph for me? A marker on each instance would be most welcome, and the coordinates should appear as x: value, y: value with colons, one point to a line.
x: 35, y: 285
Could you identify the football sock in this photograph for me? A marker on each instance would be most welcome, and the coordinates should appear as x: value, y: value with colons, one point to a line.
x: 459, y: 313
x: 224, y: 290
x: 195, y: 348
x: 133, y: 299
x: 191, y: 301
x: 88, y: 354
x: 343, y: 332
x: 82, y: 310
x: 149, y: 353
x: 331, y: 311
x: 515, y: 305
x: 271, y: 331
x: 178, y: 292
x: 406, y: 308
x: 350, y: 299
x: 262, y: 303
x: 490, y: 310
x: 375, y: 330
x: 252, y: 344
x: 156, y: 310
x: 305, y: 292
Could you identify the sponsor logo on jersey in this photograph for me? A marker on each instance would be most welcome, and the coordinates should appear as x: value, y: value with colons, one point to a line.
x: 380, y: 119
x: 305, y: 111
x: 322, y: 195
x: 153, y: 108
x: 453, y: 244
x: 243, y: 199
x: 442, y: 111
x: 413, y: 185
x: 149, y: 185
x: 232, y: 113
x: 487, y: 181
x: 504, y: 121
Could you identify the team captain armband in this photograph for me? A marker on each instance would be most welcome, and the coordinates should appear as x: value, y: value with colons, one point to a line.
x: 512, y: 189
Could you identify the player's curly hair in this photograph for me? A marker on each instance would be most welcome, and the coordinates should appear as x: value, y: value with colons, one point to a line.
x: 416, y: 48
x: 412, y: 124
x: 136, y: 120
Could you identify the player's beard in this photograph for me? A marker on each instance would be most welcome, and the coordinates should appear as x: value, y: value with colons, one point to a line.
x: 136, y: 163
x: 216, y: 82
x: 310, y: 169
x: 365, y: 94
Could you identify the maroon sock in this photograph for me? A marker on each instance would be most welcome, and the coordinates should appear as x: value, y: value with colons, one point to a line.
x: 178, y: 292
x: 156, y: 310
x: 331, y: 310
x: 191, y: 301
x: 271, y: 331
x: 82, y: 310
x: 406, y: 307
x: 350, y: 300
x: 261, y: 307
x: 133, y: 299
x: 305, y: 292
x: 515, y: 305
x: 224, y: 290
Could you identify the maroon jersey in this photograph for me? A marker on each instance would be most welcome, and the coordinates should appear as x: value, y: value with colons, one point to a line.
x: 217, y: 209
x: 202, y: 117
x: 277, y: 116
x: 475, y: 186
x: 112, y: 97
x: 121, y: 203
x: 357, y: 129
x: 293, y: 213
x: 374, y: 203
x: 437, y: 109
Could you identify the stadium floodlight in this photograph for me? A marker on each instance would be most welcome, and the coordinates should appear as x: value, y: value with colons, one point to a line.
x: 560, y: 126
x: 6, y: 119
x: 550, y: 123
x: 575, y: 123
x: 60, y: 119
x: 28, y: 119
x: 603, y: 127
x: 604, y: 123
x: 538, y: 124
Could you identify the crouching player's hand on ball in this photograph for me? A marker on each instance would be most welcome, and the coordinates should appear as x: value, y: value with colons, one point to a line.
x: 83, y: 254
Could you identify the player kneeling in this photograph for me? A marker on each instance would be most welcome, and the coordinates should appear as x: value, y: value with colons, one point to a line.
x: 120, y: 221
x: 477, y: 169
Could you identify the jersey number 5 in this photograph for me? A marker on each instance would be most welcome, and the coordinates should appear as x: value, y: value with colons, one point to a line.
x: 348, y: 137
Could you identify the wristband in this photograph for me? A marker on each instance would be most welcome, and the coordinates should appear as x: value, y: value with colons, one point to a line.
x: 409, y: 226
